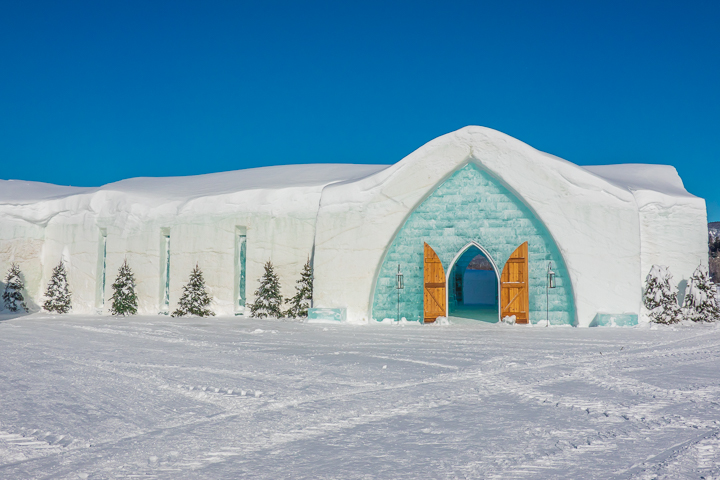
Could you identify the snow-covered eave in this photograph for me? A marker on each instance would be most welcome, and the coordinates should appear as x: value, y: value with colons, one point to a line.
x: 201, y: 195
x: 473, y: 140
x: 276, y: 177
x: 466, y: 145
x: 111, y: 202
x: 645, y: 179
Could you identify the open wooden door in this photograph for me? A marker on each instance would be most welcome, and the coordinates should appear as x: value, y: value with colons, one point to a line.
x: 434, y: 292
x: 514, y: 286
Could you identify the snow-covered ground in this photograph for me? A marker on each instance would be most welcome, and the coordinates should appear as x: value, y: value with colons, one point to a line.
x: 156, y: 397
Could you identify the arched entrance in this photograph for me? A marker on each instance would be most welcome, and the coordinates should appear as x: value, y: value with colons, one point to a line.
x: 472, y: 207
x: 473, y: 286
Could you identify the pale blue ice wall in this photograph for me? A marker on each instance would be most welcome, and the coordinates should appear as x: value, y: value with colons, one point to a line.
x: 471, y: 206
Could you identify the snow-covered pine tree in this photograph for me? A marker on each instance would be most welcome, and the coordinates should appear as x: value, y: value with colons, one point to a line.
x: 195, y: 299
x: 58, y: 294
x: 124, y: 299
x: 268, y: 300
x: 700, y: 299
x: 661, y: 296
x: 300, y: 303
x: 12, y: 297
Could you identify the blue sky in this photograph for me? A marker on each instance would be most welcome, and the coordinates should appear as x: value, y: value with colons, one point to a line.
x: 93, y: 92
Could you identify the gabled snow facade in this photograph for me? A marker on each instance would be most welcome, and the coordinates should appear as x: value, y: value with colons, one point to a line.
x: 599, y: 228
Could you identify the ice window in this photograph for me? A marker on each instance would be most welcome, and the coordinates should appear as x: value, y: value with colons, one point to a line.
x: 240, y: 265
x: 165, y: 271
x: 101, y: 269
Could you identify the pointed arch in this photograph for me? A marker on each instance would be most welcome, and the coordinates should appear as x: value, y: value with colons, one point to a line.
x: 457, y: 257
x: 471, y: 208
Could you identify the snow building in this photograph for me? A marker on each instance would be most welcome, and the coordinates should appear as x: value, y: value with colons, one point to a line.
x: 474, y: 224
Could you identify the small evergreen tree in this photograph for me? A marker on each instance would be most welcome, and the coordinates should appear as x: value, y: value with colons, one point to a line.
x: 300, y: 303
x: 58, y: 294
x: 661, y: 296
x: 700, y: 299
x: 14, y: 286
x: 195, y: 299
x: 124, y: 299
x: 268, y: 300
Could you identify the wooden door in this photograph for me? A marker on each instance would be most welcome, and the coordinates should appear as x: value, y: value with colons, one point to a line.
x: 434, y: 292
x: 514, y: 291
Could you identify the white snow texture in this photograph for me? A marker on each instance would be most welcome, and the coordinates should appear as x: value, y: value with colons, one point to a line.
x: 223, y: 398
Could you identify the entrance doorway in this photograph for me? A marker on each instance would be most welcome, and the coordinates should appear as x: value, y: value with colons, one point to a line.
x: 473, y: 291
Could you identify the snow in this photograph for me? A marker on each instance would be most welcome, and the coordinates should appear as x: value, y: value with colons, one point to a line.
x: 638, y: 176
x: 150, y: 397
x: 193, y: 186
x: 21, y: 191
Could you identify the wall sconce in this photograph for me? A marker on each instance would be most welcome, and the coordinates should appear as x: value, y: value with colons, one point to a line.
x: 399, y: 286
x: 551, y: 276
x: 550, y: 284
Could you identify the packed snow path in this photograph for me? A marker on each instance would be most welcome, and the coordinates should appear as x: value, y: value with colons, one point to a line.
x: 154, y: 397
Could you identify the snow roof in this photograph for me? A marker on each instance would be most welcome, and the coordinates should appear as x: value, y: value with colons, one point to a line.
x: 631, y: 177
x: 637, y: 176
x: 275, y: 177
